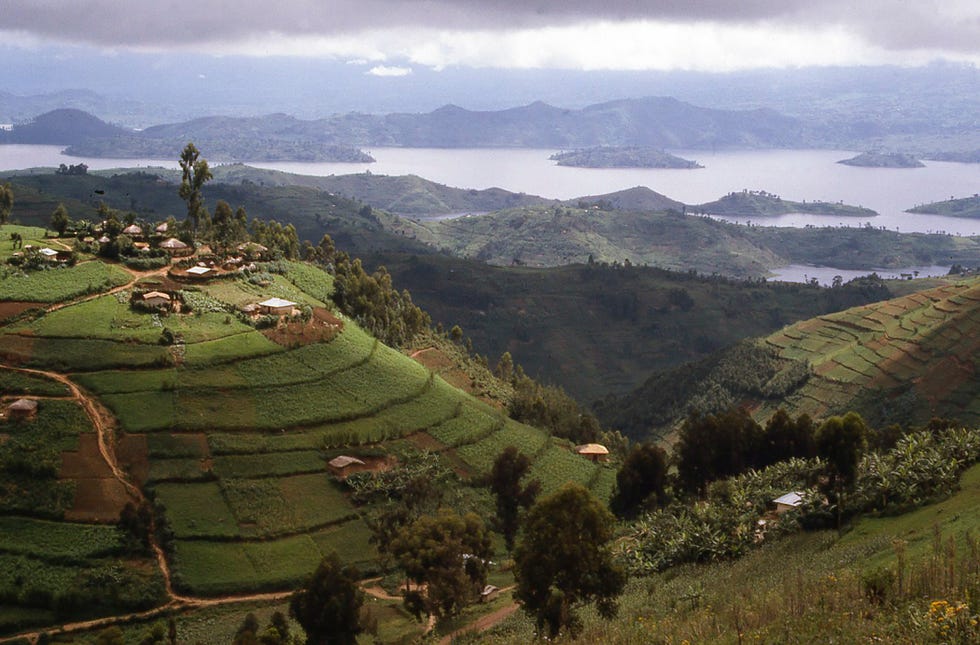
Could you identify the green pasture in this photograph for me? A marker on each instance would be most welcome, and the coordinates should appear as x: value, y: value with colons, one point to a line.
x: 212, y: 568
x: 270, y: 507
x: 177, y: 469
x: 32, y: 235
x: 557, y: 465
x: 472, y: 423
x: 164, y: 445
x: 58, y: 284
x: 244, y: 344
x: 481, y: 455
x: 268, y: 464
x: 311, y: 280
x: 81, y: 354
x: 240, y: 292
x: 197, y: 510
x: 58, y: 541
x: 12, y: 382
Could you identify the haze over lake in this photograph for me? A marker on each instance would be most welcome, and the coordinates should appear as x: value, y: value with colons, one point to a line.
x: 811, y: 175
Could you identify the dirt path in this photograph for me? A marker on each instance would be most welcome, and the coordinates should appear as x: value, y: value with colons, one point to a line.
x: 482, y: 623
x: 136, y: 275
x: 105, y: 424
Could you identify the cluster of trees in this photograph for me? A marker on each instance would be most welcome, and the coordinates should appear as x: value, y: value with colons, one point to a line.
x: 716, y: 446
x: 73, y: 169
x: 372, y: 300
x: 6, y: 202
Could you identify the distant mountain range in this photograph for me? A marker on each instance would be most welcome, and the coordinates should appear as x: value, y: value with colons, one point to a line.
x: 651, y: 122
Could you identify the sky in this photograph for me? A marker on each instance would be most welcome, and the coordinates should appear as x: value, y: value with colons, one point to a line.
x: 391, y: 37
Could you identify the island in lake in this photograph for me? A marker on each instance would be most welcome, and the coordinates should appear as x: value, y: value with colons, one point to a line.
x: 759, y: 203
x: 622, y: 157
x: 965, y: 207
x: 883, y: 160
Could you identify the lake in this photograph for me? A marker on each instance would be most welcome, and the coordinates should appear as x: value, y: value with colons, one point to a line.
x: 796, y: 175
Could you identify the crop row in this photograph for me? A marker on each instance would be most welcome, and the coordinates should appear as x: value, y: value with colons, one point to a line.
x: 57, y: 285
x: 213, y: 568
x: 234, y: 509
x: 481, y: 455
x: 58, y: 541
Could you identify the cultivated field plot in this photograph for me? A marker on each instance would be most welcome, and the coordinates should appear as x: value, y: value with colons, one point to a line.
x: 64, y: 283
x: 79, y: 355
x: 480, y: 455
x: 889, y: 346
x: 241, y: 292
x: 212, y: 568
x: 20, y: 383
x: 472, y: 423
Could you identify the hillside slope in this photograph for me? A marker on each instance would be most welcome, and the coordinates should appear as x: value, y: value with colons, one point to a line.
x: 227, y: 423
x: 901, y: 361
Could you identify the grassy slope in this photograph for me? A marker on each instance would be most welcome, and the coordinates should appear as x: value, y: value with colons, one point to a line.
x: 552, y: 236
x: 238, y: 433
x: 965, y: 207
x: 760, y: 204
x: 798, y: 589
x: 899, y: 361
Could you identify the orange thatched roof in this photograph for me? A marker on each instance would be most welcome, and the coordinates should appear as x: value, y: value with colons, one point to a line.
x: 592, y: 449
x: 156, y: 294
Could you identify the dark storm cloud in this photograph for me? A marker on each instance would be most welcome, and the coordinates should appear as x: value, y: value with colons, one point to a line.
x: 893, y: 24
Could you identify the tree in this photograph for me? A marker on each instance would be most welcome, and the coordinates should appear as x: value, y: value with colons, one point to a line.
x: 60, y: 220
x: 716, y: 446
x: 6, y: 202
x: 841, y: 441
x: 641, y: 481
x: 329, y: 606
x: 563, y: 560
x: 449, y: 554
x: 509, y: 468
x: 195, y: 173
x: 785, y: 438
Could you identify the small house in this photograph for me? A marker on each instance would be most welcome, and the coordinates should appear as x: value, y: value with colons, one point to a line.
x: 173, y: 246
x: 49, y: 254
x: 594, y: 451
x: 277, y: 307
x: 22, y: 409
x: 157, y: 299
x: 489, y: 593
x: 341, y: 466
x: 133, y: 230
x: 788, y: 502
x: 161, y: 228
x: 199, y: 271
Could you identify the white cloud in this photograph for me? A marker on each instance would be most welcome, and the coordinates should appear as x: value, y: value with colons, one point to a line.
x: 385, y: 70
x: 583, y: 34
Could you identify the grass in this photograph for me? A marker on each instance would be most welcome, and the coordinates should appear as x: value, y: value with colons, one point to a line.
x: 60, y: 284
x: 245, y: 344
x: 197, y: 510
x: 79, y: 354
x: 57, y: 541
x: 806, y: 587
x: 19, y: 383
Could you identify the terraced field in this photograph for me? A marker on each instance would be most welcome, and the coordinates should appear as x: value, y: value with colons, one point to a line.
x: 226, y: 428
x: 901, y: 360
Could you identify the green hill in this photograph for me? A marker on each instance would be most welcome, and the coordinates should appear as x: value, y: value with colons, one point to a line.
x: 903, y: 361
x: 226, y: 426
x: 963, y: 207
x: 762, y: 204
x: 601, y: 329
x: 622, y: 157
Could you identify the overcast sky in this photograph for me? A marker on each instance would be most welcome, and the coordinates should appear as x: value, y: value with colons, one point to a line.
x: 715, y: 35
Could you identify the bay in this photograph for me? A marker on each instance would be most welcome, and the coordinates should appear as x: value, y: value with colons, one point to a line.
x: 796, y: 175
